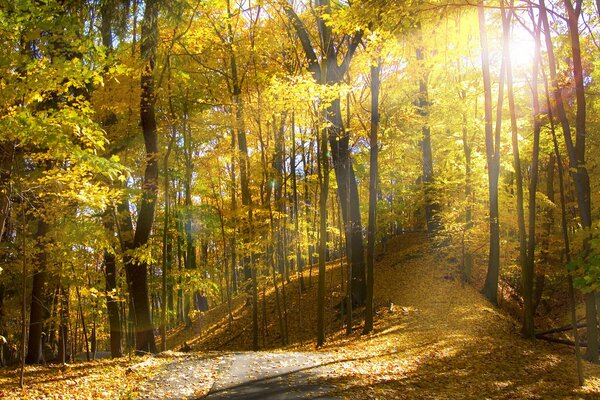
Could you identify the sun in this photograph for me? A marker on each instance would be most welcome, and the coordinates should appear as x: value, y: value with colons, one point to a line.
x: 522, y: 49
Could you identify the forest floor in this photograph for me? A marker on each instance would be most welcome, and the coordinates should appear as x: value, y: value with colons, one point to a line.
x: 434, y: 338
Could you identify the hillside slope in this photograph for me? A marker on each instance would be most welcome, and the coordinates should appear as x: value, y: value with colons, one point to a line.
x: 434, y: 338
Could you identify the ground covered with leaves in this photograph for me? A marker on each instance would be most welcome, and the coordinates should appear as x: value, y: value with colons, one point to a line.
x: 434, y: 338
x: 101, y: 379
x: 441, y: 339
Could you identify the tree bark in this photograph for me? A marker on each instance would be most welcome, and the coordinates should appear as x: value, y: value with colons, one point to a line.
x: 38, y: 311
x: 324, y: 191
x: 329, y: 72
x: 529, y: 270
x: 6, y: 165
x: 575, y: 152
x: 296, y: 210
x: 426, y: 152
x: 492, y: 145
x: 373, y: 176
x: 138, y: 270
x: 112, y: 306
x: 526, y: 274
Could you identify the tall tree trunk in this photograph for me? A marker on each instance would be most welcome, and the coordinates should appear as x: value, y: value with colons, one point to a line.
x: 547, y: 227
x: 38, y: 311
x: 329, y: 72
x: 232, y: 241
x: 529, y: 270
x: 567, y: 245
x: 112, y: 306
x: 190, y: 249
x: 138, y: 270
x: 584, y: 192
x: 7, y: 150
x: 526, y: 275
x: 296, y: 210
x: 278, y: 182
x: 492, y: 145
x: 422, y: 104
x: 166, y: 259
x: 324, y: 191
x: 63, y: 328
x: 373, y: 176
x: 575, y: 152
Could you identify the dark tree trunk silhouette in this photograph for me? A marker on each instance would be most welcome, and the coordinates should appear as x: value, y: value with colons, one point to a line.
x: 112, y: 305
x: 137, y: 271
x: 329, y: 72
x: 38, y: 311
x: 7, y: 151
x: 373, y: 176
x: 324, y: 191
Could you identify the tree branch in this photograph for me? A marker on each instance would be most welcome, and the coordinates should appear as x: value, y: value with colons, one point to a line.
x: 302, y: 32
x: 356, y: 39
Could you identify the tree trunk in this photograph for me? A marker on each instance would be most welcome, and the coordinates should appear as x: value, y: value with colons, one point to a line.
x: 575, y: 152
x: 324, y: 183
x: 38, y: 311
x: 190, y: 249
x: 63, y: 329
x: 492, y: 145
x: 296, y: 210
x: 329, y: 72
x: 112, y: 306
x: 547, y: 227
x: 529, y: 270
x: 6, y: 165
x: 567, y: 245
x: 138, y: 271
x: 526, y: 274
x: 373, y: 176
x: 422, y: 104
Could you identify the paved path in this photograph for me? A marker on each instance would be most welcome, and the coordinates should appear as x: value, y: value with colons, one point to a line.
x: 270, y: 376
x: 184, y: 376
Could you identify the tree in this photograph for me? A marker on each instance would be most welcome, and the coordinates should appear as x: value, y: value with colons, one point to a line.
x: 328, y: 70
x: 492, y: 146
x: 137, y: 270
x: 422, y: 104
x: 575, y: 151
x: 373, y: 177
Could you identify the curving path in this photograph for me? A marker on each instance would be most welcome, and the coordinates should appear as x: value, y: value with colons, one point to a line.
x: 271, y: 376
